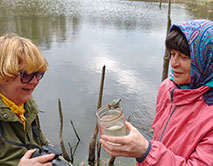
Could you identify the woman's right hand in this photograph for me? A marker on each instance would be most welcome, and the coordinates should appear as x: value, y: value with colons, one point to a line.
x: 132, y: 145
x: 44, y: 160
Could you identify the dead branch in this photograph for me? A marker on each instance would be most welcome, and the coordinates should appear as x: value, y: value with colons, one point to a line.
x: 75, y: 131
x: 98, y: 153
x: 111, y: 161
x: 71, y: 154
x: 65, y: 155
x: 76, y: 146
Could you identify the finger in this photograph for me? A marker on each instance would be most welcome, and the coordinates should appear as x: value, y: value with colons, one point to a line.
x: 47, y: 164
x: 114, y: 151
x: 29, y: 153
x: 120, y: 140
x: 112, y: 139
x: 114, y: 148
x: 108, y: 150
x: 44, y: 158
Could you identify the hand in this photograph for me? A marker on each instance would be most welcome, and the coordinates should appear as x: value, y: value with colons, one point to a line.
x: 132, y: 145
x: 37, y: 161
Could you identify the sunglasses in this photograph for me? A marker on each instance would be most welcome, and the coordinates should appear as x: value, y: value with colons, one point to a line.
x: 26, y: 78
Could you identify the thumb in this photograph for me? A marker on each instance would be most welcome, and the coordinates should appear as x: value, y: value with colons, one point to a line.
x: 29, y: 153
x: 129, y: 126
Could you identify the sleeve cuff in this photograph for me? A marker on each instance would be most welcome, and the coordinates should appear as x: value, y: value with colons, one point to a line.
x: 144, y: 156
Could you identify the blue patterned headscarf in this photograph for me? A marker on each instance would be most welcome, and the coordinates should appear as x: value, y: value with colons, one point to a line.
x: 199, y: 34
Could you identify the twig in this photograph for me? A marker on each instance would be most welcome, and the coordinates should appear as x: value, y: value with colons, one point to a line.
x: 75, y: 130
x: 71, y: 154
x: 111, y: 161
x: 98, y: 153
x: 77, y: 137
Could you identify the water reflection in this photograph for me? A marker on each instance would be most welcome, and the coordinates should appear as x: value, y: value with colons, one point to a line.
x: 43, y: 22
x: 49, y: 20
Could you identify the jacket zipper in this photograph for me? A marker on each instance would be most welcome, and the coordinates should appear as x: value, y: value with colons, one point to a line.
x: 169, y: 115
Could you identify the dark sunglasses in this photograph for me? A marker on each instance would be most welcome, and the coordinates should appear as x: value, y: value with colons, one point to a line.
x: 26, y: 78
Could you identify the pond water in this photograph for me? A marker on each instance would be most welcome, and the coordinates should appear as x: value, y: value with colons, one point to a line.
x: 79, y: 37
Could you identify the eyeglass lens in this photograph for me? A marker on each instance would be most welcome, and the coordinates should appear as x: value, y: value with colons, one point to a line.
x: 26, y: 78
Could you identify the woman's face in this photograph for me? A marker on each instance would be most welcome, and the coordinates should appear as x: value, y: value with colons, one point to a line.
x: 181, y: 65
x: 18, y: 92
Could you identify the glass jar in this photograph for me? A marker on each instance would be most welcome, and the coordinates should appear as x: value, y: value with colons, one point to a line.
x: 111, y: 121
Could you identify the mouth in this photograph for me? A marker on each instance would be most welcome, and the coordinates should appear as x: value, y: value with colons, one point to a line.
x: 29, y: 90
x: 177, y: 74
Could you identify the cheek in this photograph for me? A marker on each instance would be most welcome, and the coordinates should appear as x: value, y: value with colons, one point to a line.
x: 187, y: 66
x: 188, y: 72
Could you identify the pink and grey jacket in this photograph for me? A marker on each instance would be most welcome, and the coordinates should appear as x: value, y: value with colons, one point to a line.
x: 183, y: 128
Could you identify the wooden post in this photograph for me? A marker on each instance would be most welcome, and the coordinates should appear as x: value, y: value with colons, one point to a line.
x: 92, y: 144
x: 166, y: 54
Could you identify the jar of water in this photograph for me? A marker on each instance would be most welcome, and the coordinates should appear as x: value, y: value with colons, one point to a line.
x: 111, y: 120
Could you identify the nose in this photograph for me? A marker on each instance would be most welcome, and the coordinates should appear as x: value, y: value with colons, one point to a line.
x: 34, y: 80
x: 174, y: 61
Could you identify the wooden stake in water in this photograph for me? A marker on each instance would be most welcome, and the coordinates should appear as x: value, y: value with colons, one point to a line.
x: 91, y: 158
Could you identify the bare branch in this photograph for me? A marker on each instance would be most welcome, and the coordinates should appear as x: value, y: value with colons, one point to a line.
x: 75, y: 131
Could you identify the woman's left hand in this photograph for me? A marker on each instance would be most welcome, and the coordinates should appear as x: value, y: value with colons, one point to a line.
x: 44, y: 160
x: 132, y: 145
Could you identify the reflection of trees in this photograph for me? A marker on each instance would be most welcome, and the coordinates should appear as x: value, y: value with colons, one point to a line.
x: 42, y: 29
x: 201, y: 11
x: 40, y: 20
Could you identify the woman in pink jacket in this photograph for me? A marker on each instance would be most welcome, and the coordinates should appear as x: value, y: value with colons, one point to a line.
x: 183, y: 124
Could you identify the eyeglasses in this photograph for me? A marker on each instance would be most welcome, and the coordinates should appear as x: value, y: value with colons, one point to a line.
x: 26, y: 78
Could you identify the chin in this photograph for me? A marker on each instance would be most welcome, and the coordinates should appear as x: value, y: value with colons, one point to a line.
x: 181, y: 82
x: 25, y: 99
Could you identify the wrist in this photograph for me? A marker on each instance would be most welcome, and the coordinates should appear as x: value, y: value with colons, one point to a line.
x: 142, y: 158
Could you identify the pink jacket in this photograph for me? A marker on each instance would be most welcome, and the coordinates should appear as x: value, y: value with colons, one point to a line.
x: 186, y: 122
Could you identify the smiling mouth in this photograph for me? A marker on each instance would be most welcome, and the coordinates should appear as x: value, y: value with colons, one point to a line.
x: 27, y: 90
x: 176, y: 73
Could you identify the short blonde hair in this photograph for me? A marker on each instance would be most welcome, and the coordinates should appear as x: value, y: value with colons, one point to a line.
x: 18, y: 54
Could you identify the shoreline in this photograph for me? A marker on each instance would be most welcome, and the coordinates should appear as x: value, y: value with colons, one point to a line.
x: 207, y: 3
x: 202, y: 2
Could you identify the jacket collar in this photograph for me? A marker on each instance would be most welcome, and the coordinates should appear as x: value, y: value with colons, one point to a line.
x: 186, y: 96
x: 7, y: 115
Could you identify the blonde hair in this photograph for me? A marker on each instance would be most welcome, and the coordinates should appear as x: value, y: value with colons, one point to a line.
x: 18, y: 54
